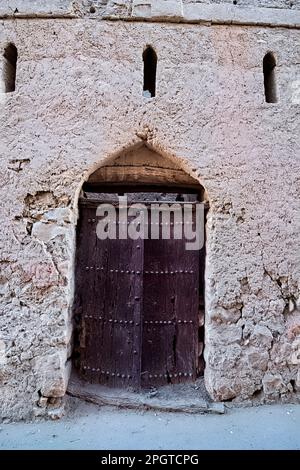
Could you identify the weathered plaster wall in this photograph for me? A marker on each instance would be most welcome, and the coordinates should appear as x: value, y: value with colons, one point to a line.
x: 78, y: 100
x: 257, y: 12
x: 252, y: 3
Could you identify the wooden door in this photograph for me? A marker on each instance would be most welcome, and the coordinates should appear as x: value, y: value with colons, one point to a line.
x: 170, y: 312
x: 138, y: 302
x: 108, y: 292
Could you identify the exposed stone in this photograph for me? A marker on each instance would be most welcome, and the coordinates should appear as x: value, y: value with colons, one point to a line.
x: 231, y: 315
x: 298, y: 380
x: 257, y: 359
x: 2, y: 353
x: 168, y: 9
x: 52, y: 374
x: 295, y: 356
x: 217, y: 334
x: 261, y: 337
x: 273, y: 384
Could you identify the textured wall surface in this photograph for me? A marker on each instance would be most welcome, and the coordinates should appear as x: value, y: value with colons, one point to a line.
x: 79, y: 100
x: 252, y: 3
x: 257, y: 12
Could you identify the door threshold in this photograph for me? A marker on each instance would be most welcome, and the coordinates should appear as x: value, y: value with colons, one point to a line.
x: 183, y: 398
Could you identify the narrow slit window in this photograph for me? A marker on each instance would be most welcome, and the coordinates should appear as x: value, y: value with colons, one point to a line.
x: 150, y: 64
x: 10, y: 58
x: 269, y: 65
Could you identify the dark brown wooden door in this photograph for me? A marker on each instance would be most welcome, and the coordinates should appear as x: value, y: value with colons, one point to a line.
x: 138, y: 302
x: 170, y: 312
x: 108, y: 292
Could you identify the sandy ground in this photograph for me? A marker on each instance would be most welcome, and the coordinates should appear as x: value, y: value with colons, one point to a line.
x: 91, y: 427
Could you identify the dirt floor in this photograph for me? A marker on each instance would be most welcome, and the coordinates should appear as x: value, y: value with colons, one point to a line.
x: 88, y: 426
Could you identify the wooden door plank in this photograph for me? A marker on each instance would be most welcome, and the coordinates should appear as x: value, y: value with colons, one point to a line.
x: 110, y: 318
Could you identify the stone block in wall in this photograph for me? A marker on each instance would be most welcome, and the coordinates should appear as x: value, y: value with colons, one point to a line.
x: 228, y: 13
x: 273, y: 384
x: 157, y: 9
x: 3, y: 358
x: 53, y: 373
x: 36, y: 7
x: 283, y: 4
x: 118, y: 8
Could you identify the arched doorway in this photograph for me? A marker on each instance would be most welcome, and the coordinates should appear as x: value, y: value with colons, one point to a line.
x: 139, y: 297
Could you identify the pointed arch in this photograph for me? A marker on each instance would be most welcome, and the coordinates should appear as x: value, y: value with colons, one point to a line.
x: 141, y: 166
